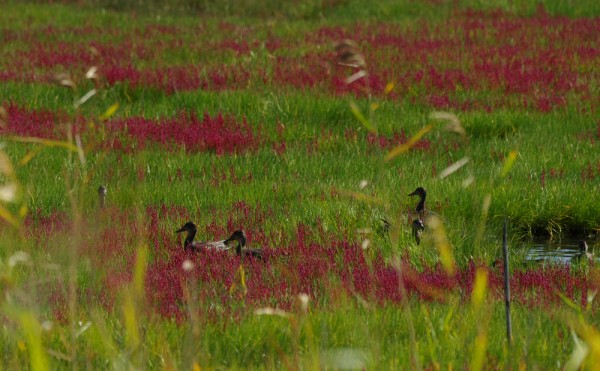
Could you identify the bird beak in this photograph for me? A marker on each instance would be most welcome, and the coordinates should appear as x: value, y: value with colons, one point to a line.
x: 180, y: 230
x: 413, y: 194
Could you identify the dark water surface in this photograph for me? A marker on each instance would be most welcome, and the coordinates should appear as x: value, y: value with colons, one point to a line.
x: 563, y: 251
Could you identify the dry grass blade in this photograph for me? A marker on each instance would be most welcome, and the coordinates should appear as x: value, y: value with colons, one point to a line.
x: 31, y: 339
x: 360, y: 117
x: 3, y: 117
x: 65, y: 80
x: 442, y: 244
x: 467, y: 182
x: 589, y: 352
x: 454, y: 167
x: 86, y: 97
x: 271, y: 312
x: 92, y: 73
x: 508, y: 163
x: 30, y: 155
x: 388, y: 88
x: 580, y: 352
x: 454, y: 125
x: 80, y: 150
x: 109, y: 112
x: 355, y: 76
x: 6, y: 167
x: 8, y: 217
x: 8, y: 192
x: 403, y: 148
x: 19, y: 257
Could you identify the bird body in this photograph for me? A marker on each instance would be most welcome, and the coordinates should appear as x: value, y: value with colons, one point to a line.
x: 418, y: 226
x: 190, y: 245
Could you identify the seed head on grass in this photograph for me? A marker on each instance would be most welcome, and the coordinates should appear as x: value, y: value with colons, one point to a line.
x: 454, y: 125
x: 65, y: 80
x: 348, y: 54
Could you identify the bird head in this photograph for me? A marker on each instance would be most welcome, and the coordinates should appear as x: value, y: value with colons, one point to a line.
x: 238, y: 236
x: 420, y: 191
x: 188, y: 227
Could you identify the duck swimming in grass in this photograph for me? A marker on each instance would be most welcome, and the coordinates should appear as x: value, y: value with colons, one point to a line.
x: 418, y: 226
x: 240, y: 249
x: 189, y: 244
x: 420, y: 191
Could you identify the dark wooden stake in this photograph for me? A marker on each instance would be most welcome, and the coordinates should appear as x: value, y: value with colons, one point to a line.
x: 506, y: 281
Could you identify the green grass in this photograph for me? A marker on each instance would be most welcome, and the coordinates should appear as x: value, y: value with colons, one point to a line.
x: 311, y: 183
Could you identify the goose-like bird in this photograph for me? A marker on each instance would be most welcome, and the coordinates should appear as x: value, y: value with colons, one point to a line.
x: 420, y: 191
x: 189, y: 244
x: 102, y: 195
x: 417, y: 225
x: 240, y: 249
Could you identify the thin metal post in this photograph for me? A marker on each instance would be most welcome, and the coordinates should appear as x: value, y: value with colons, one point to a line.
x: 506, y: 281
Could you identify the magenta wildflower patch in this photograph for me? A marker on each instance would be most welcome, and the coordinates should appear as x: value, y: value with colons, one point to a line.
x: 470, y: 61
x: 220, y: 133
x: 310, y: 261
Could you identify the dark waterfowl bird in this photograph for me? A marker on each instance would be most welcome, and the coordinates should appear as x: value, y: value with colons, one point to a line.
x: 102, y: 195
x: 420, y: 191
x: 418, y: 226
x: 189, y: 244
x: 240, y: 249
x: 583, y: 252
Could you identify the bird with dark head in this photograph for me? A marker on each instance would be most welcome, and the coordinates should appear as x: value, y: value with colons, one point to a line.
x: 189, y: 244
x: 420, y: 191
x: 418, y: 226
x: 241, y: 249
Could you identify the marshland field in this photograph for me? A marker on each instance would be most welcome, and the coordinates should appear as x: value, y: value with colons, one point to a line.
x: 306, y: 124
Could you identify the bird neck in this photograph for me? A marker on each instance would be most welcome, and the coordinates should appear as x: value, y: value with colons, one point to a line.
x: 241, y: 242
x: 421, y: 204
x: 190, y: 238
